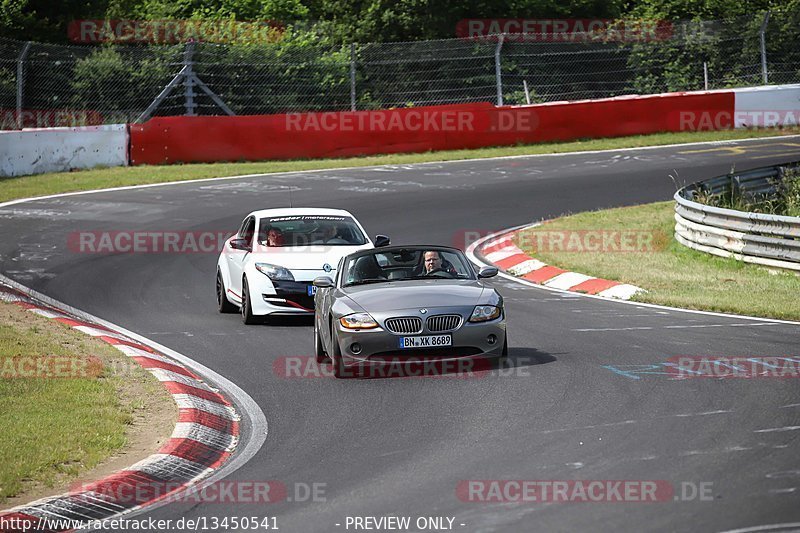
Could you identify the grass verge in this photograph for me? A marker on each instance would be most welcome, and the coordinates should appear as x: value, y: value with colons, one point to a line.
x: 68, y: 402
x: 45, y: 184
x: 784, y: 200
x: 672, y: 274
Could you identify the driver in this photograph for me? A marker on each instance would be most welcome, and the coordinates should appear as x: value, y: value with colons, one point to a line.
x: 432, y: 262
x: 275, y: 237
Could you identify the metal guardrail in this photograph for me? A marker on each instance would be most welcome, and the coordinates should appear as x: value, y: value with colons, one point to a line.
x: 769, y: 240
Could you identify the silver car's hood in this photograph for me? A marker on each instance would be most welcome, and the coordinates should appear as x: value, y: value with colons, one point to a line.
x: 417, y: 293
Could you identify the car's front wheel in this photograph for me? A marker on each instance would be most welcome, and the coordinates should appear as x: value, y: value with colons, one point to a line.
x: 223, y: 305
x: 247, y: 308
x: 336, y: 357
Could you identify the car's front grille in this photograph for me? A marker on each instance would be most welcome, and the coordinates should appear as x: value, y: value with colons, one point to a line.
x: 407, y: 325
x: 444, y: 322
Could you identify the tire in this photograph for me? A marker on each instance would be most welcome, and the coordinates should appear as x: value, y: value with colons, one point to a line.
x: 247, y: 309
x: 223, y: 305
x: 502, y: 360
x: 319, y: 351
x: 336, y: 358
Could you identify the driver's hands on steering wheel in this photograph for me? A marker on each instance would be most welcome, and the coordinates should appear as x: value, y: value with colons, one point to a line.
x: 439, y: 272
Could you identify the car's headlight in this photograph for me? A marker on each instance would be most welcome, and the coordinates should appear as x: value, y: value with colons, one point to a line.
x: 358, y: 321
x: 483, y: 313
x: 274, y: 272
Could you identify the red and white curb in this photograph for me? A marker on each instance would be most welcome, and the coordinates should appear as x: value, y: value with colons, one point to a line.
x: 205, y: 436
x: 499, y: 250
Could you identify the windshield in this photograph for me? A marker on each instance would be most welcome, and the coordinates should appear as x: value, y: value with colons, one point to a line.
x: 308, y: 230
x: 397, y: 265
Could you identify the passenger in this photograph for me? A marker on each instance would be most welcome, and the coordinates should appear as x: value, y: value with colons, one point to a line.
x: 330, y: 232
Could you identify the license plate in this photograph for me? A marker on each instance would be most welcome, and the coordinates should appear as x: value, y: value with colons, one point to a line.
x: 312, y: 290
x: 430, y: 341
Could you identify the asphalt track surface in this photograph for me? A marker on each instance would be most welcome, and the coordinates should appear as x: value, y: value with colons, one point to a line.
x: 401, y: 446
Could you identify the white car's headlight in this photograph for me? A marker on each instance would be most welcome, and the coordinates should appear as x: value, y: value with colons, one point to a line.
x: 483, y: 313
x: 274, y: 272
x: 358, y: 321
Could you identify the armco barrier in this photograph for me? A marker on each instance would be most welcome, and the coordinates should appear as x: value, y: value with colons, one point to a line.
x: 770, y: 240
x: 36, y: 151
x: 251, y: 138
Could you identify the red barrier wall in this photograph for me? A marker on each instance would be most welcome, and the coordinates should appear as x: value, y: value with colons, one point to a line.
x: 316, y: 135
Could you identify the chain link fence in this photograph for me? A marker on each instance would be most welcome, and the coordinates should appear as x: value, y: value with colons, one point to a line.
x: 50, y: 85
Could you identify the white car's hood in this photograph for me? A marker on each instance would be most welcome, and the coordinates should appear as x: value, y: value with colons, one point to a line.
x: 305, y: 258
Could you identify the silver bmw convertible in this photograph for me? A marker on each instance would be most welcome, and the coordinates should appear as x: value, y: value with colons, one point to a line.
x: 421, y: 303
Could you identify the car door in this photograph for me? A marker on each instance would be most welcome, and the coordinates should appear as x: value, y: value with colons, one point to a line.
x: 237, y: 259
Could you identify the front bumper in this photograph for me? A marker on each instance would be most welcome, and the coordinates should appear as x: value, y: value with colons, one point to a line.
x: 381, y: 347
x: 283, y: 297
x: 291, y: 296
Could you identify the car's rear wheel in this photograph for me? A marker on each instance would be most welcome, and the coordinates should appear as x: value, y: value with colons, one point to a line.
x: 247, y: 309
x: 336, y: 357
x: 223, y: 305
x: 319, y: 351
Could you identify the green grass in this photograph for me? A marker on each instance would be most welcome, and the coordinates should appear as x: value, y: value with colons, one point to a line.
x: 672, y: 274
x: 784, y: 201
x: 55, y: 428
x: 44, y: 184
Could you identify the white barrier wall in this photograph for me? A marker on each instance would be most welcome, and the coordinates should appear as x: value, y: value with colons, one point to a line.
x: 35, y: 151
x: 767, y: 106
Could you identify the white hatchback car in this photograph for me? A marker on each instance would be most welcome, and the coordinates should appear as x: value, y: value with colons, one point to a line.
x: 268, y: 267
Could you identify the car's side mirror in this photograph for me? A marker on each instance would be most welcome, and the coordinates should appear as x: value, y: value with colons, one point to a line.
x: 381, y: 241
x: 323, y: 282
x: 487, y: 272
x: 240, y: 244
